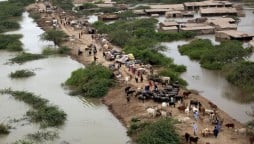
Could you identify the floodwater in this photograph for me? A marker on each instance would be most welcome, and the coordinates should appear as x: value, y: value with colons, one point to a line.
x: 88, y: 120
x: 212, y: 84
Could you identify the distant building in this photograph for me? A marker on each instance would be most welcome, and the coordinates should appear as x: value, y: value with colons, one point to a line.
x: 218, y: 11
x: 206, y: 4
x: 233, y: 35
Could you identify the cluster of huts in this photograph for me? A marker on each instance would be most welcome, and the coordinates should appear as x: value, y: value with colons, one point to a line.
x: 224, y: 27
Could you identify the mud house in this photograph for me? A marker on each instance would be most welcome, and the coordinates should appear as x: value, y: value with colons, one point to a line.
x: 139, y: 12
x: 178, y: 14
x: 105, y: 17
x: 169, y: 26
x: 206, y: 4
x: 162, y: 9
x: 222, y: 23
x: 198, y: 28
x: 176, y: 7
x: 156, y: 11
x: 218, y: 11
x: 233, y: 35
x: 172, y: 29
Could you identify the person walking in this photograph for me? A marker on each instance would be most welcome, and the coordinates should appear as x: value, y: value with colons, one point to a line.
x: 136, y: 79
x: 141, y: 78
x: 195, y: 128
x: 215, y: 131
x: 196, y: 115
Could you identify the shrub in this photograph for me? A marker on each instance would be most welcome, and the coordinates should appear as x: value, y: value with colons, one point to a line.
x: 4, y: 129
x: 159, y: 132
x: 43, y: 113
x: 21, y: 74
x: 89, y: 5
x: 23, y: 142
x: 34, y: 15
x: 57, y: 36
x: 64, y: 4
x: 25, y: 57
x: 93, y: 81
x: 215, y: 57
x: 47, y: 116
x: 242, y: 75
x: 53, y: 50
x: 41, y: 136
x: 10, y: 42
x: 8, y: 25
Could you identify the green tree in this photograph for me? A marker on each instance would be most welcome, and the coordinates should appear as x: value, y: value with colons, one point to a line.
x: 56, y: 36
x: 160, y: 132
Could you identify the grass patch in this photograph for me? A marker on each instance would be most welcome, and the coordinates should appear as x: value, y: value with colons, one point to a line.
x: 4, y: 129
x: 57, y: 36
x: 64, y: 4
x: 25, y: 57
x: 215, y: 57
x: 93, y: 81
x: 10, y: 42
x: 241, y: 75
x: 21, y: 73
x: 43, y: 113
x: 23, y: 142
x: 41, y: 136
x: 162, y: 131
x: 52, y: 50
x: 34, y: 15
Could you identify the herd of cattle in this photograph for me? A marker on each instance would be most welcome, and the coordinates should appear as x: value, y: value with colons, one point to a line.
x: 168, y: 95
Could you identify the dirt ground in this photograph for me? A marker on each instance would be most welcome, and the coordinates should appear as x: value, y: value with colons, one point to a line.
x: 116, y: 99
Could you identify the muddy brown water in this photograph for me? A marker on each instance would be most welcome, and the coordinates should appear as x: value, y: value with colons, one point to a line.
x: 88, y: 120
x: 212, y: 84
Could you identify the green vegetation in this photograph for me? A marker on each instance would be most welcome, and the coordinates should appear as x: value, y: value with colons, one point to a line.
x: 93, y: 81
x: 9, y: 12
x: 215, y: 57
x: 52, y: 51
x: 143, y: 7
x: 10, y: 42
x: 25, y: 57
x: 138, y: 36
x: 23, y: 142
x: 57, y: 36
x: 35, y: 15
x: 64, y: 4
x: 227, y: 57
x: 88, y: 6
x: 45, y: 114
x: 154, y: 1
x: 126, y: 15
x: 241, y: 75
x: 159, y: 132
x: 8, y: 25
x: 21, y: 73
x: 4, y: 129
x: 41, y: 136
